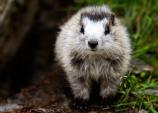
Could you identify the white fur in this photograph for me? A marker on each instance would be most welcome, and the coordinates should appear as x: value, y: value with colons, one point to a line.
x: 113, y: 46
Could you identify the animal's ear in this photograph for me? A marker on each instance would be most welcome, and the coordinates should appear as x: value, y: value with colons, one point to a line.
x: 112, y: 19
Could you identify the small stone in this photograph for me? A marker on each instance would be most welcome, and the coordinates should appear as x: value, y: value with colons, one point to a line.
x: 142, y: 111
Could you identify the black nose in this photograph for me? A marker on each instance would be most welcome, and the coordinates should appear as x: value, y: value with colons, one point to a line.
x: 92, y: 44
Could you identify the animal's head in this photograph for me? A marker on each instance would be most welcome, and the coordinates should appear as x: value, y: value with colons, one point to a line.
x: 96, y: 31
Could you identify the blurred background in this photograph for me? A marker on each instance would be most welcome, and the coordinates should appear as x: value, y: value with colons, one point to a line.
x: 28, y: 29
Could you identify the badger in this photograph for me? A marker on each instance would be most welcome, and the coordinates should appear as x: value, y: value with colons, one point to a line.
x: 93, y: 46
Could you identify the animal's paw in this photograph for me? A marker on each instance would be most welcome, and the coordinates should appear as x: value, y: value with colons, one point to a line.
x: 107, y: 101
x: 110, y: 100
x: 79, y: 104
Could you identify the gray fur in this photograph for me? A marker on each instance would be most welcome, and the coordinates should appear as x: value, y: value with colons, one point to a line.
x: 107, y: 65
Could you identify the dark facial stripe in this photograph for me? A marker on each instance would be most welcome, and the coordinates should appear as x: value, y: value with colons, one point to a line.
x: 95, y: 16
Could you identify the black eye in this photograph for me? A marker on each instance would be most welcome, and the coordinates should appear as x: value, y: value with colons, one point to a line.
x: 82, y: 29
x: 107, y: 30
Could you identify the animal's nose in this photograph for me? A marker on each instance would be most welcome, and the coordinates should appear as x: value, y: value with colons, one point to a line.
x: 93, y: 44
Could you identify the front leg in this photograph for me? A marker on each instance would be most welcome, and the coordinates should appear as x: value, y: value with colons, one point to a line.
x: 108, y: 90
x: 81, y: 91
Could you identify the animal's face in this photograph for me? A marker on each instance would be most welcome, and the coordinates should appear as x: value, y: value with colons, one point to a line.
x: 95, y: 33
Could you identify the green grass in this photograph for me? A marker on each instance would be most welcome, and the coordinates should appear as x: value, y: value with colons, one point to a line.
x: 141, y: 19
x: 134, y: 95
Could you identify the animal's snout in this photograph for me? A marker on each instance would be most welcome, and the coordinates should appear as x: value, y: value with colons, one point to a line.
x: 93, y: 44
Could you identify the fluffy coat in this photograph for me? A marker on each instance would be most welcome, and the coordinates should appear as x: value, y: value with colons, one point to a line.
x: 107, y: 64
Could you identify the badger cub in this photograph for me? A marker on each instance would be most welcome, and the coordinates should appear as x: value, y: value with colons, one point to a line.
x: 93, y: 46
